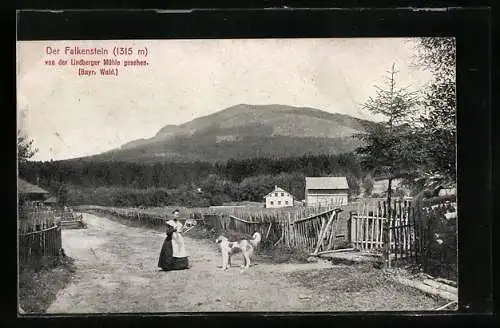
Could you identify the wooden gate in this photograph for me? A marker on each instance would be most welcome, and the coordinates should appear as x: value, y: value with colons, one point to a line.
x: 314, y: 234
x: 366, y: 232
x: 374, y: 226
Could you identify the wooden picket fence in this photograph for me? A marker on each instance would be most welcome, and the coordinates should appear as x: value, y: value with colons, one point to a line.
x: 30, y: 219
x: 402, y: 240
x: 249, y: 214
x: 313, y: 234
x: 366, y: 232
x: 35, y: 245
x: 268, y: 230
x: 302, y: 233
x: 369, y: 220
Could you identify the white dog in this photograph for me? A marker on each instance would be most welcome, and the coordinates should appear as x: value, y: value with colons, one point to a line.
x: 244, y: 246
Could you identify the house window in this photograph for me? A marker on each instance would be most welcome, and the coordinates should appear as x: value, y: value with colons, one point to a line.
x: 282, y: 194
x: 276, y: 194
x: 272, y: 203
x: 279, y: 202
x: 286, y: 202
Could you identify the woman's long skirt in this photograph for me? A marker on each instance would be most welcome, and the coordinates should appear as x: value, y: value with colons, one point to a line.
x: 168, y: 262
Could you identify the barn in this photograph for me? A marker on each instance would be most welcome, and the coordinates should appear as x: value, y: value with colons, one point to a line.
x: 326, y: 191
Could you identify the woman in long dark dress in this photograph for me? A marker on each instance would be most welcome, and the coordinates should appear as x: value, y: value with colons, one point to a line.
x: 173, y: 254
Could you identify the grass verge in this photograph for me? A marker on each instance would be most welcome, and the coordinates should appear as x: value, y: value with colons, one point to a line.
x: 361, y: 287
x: 38, y: 287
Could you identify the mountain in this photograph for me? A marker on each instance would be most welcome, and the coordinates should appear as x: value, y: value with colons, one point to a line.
x: 245, y: 131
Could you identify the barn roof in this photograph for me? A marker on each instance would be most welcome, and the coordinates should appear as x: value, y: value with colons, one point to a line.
x: 277, y: 189
x: 24, y: 187
x: 326, y: 183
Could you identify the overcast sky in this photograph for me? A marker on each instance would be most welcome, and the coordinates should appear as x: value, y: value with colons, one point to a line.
x: 70, y: 116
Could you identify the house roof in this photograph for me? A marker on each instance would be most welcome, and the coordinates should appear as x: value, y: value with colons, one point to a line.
x: 51, y: 199
x: 277, y: 189
x: 24, y: 187
x: 326, y: 183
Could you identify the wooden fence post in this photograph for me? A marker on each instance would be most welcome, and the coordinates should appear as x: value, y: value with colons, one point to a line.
x: 287, y: 232
x: 349, y: 227
x: 385, y: 236
x: 324, y: 231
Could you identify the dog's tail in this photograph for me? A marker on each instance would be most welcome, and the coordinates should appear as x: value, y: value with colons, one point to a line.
x: 256, y: 238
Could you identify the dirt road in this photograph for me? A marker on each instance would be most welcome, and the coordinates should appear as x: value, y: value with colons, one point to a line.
x: 117, y: 273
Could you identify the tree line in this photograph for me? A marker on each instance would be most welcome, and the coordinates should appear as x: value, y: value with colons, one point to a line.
x: 189, y: 184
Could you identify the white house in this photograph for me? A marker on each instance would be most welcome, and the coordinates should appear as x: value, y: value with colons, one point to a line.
x: 326, y: 191
x: 278, y: 198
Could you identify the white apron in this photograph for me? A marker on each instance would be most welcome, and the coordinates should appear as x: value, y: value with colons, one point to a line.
x: 178, y: 247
